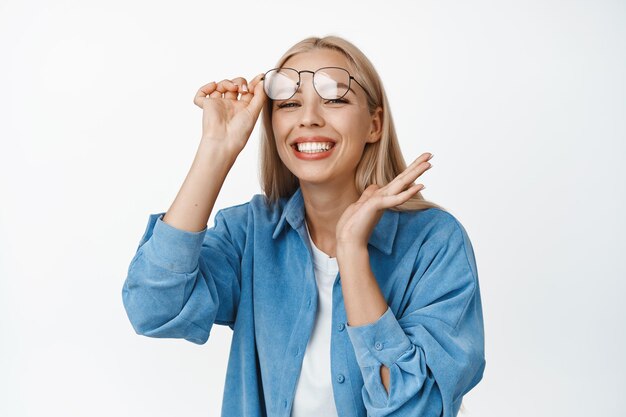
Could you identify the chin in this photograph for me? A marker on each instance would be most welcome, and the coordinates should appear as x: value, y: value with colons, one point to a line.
x: 313, y: 179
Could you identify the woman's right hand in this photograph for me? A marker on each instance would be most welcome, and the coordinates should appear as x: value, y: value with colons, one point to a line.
x: 228, y: 119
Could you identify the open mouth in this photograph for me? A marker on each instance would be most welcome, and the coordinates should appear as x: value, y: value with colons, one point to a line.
x: 313, y: 147
x: 311, y: 151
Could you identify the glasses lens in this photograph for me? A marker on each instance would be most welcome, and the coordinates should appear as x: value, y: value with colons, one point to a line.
x: 331, y: 83
x: 281, y: 84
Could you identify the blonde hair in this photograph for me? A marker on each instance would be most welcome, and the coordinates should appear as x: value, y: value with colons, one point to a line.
x: 382, y: 160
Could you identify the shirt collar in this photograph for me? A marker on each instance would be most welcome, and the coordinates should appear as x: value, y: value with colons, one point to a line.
x: 382, y: 236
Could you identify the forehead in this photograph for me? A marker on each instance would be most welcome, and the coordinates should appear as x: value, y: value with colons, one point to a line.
x: 317, y: 58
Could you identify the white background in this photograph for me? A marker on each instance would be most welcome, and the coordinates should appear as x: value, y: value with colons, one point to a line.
x: 523, y: 104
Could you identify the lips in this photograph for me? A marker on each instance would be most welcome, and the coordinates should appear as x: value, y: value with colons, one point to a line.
x: 312, y: 152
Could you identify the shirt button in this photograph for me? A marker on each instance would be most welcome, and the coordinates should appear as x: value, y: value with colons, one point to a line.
x: 340, y: 378
x: 340, y: 327
x: 378, y: 346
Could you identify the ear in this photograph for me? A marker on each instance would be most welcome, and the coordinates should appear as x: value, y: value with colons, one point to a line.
x: 376, y: 126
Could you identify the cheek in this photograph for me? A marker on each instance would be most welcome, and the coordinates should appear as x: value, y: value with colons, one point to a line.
x: 279, y: 143
x: 354, y: 122
x: 357, y: 133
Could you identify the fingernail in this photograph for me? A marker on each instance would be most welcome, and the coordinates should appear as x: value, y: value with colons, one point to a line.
x: 431, y: 155
x: 244, y: 87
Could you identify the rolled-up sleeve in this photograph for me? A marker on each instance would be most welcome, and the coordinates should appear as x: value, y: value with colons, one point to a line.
x: 434, y: 349
x: 381, y: 342
x: 179, y: 283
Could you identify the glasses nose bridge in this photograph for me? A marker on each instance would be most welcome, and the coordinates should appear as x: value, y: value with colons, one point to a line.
x: 300, y: 78
x: 311, y: 114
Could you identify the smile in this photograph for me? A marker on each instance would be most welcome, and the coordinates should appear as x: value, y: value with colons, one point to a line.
x: 314, y: 147
x: 313, y: 150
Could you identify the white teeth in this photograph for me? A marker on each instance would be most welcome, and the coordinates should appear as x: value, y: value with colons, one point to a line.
x: 313, y: 147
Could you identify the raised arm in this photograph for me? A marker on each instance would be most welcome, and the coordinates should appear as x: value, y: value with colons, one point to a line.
x: 183, y: 277
x: 227, y: 123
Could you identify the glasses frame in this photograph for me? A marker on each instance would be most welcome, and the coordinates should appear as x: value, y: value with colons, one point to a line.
x: 350, y: 78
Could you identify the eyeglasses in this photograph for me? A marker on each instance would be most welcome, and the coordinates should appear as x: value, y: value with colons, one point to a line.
x: 330, y: 83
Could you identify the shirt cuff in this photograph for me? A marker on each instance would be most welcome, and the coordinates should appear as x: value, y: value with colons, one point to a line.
x: 174, y: 249
x: 383, y: 341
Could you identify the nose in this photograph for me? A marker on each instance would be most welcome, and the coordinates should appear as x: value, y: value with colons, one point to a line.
x: 310, y: 114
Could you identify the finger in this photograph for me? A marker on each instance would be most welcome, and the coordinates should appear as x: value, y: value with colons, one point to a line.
x: 207, y: 88
x: 419, y: 160
x: 413, y: 171
x: 400, y: 198
x: 226, y: 85
x: 229, y: 89
x: 426, y: 156
x: 256, y: 80
x: 401, y: 178
x: 242, y: 84
x: 423, y: 158
x: 252, y: 88
x: 204, y: 91
x: 408, y: 193
x: 258, y: 96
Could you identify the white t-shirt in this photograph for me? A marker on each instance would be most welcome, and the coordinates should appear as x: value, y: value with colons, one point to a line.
x: 314, y: 391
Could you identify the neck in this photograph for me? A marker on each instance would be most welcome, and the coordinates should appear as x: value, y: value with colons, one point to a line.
x: 324, y: 204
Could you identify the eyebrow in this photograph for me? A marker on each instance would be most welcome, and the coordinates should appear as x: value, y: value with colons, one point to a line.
x: 342, y: 85
x: 349, y: 88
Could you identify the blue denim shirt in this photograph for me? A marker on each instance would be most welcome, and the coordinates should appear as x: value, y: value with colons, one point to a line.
x: 253, y: 272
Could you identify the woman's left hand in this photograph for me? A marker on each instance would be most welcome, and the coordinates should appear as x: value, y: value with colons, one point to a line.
x: 359, y: 219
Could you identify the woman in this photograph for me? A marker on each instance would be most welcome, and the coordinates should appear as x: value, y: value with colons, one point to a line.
x: 348, y: 293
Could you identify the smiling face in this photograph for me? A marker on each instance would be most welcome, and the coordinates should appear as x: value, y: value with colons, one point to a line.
x: 321, y: 141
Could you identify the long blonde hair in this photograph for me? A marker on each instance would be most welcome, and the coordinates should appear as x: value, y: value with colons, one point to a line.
x: 382, y: 160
